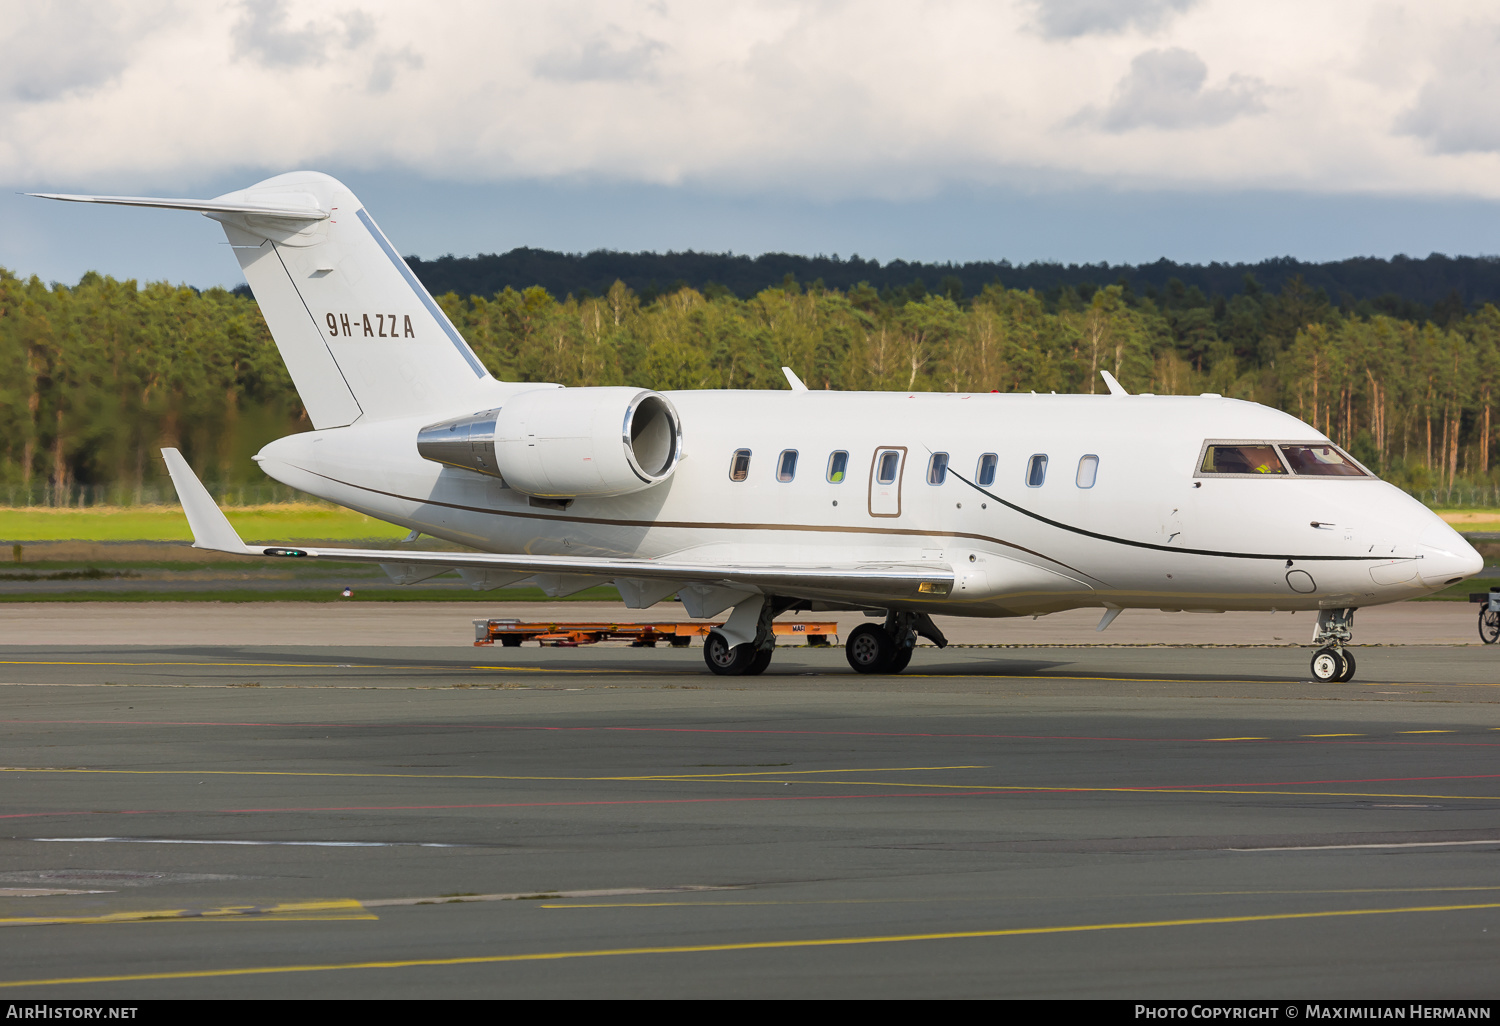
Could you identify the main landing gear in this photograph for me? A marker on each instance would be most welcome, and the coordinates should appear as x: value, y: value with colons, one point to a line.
x: 1332, y: 663
x: 887, y: 648
x: 752, y: 657
x: 728, y: 660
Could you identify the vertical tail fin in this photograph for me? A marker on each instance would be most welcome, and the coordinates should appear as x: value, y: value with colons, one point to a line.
x: 361, y: 337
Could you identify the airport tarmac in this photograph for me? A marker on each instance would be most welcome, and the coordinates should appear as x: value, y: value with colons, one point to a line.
x: 273, y: 817
x: 382, y: 624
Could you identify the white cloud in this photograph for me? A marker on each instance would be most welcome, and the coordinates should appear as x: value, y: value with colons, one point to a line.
x: 53, y: 50
x: 1454, y: 111
x: 830, y: 98
x: 1065, y: 19
x: 602, y: 58
x: 1165, y: 89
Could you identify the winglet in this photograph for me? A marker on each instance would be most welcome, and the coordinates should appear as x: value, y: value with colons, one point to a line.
x: 211, y: 528
x: 1115, y: 388
x: 793, y: 380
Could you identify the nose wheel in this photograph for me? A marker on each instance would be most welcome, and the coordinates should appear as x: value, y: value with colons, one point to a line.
x: 1333, y: 665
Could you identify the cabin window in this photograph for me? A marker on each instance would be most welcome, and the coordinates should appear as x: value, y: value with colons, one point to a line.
x: 1036, y: 471
x: 985, y: 473
x: 1246, y: 458
x: 838, y: 467
x: 786, y: 467
x: 1315, y: 460
x: 1088, y: 471
x: 937, y: 468
x: 739, y: 465
x: 890, y: 464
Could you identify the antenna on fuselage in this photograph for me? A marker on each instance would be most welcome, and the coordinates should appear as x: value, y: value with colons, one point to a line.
x: 1115, y: 388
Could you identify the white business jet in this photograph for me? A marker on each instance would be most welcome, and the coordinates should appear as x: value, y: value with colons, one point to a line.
x: 901, y: 504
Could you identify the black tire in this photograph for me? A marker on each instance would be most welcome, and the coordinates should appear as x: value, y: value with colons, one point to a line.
x: 511, y: 640
x: 760, y: 662
x: 1348, y: 658
x: 1327, y: 666
x: 902, y: 658
x: 724, y: 659
x: 870, y: 649
x: 1489, y: 626
x: 681, y: 640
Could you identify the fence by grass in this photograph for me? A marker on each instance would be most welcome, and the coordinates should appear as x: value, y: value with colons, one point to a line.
x: 44, y: 496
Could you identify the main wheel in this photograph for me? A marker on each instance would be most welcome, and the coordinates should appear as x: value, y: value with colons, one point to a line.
x: 1489, y: 626
x: 870, y: 649
x: 1327, y: 665
x: 725, y: 659
x: 902, y: 657
x: 1348, y: 659
x: 760, y: 662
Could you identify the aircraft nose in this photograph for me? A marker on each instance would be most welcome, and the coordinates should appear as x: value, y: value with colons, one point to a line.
x: 1446, y: 557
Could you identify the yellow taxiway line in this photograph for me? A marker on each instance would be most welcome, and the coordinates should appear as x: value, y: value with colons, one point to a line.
x: 689, y: 949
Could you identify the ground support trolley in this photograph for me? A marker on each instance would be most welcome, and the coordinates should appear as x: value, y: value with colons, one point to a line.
x: 560, y: 634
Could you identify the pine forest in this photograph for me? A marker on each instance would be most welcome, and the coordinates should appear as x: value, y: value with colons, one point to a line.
x: 98, y: 376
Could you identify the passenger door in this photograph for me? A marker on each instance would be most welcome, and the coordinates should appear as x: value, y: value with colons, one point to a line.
x: 885, y: 480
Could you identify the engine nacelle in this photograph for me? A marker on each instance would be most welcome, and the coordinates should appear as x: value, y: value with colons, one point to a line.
x: 565, y: 443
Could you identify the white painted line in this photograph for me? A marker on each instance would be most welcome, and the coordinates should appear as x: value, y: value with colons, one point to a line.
x: 1341, y: 847
x: 294, y: 844
x: 455, y: 899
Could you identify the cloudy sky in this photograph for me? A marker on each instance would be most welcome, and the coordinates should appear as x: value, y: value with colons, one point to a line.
x: 1078, y: 130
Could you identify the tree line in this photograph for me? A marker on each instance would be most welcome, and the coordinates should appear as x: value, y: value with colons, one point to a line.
x: 1437, y: 287
x: 97, y: 376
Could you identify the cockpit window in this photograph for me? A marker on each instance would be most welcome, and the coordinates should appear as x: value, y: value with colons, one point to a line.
x: 1314, y: 460
x: 1241, y: 459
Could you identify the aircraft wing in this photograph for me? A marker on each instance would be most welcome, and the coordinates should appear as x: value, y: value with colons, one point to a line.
x: 873, y: 581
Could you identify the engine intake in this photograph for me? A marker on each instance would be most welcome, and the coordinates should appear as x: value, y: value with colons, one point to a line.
x: 565, y: 442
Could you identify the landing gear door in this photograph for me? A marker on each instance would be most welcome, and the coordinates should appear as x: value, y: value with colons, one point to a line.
x: 885, y: 480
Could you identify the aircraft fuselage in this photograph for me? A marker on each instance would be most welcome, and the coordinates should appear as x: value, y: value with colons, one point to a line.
x: 1149, y: 531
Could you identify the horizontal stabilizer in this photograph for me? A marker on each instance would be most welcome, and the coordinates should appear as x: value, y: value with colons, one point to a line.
x: 202, y: 206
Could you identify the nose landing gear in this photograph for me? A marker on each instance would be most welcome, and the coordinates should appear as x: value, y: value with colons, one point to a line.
x: 1332, y: 663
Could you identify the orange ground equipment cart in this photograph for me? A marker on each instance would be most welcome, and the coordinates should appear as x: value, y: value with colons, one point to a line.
x: 559, y: 634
